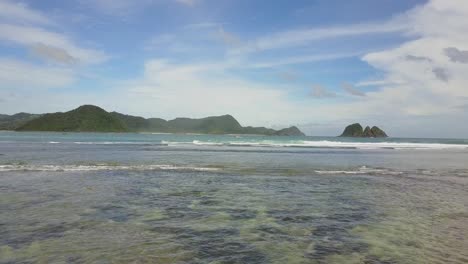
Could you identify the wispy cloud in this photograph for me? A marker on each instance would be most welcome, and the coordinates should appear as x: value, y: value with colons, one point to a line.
x: 179, y: 89
x: 30, y: 36
x: 187, y: 2
x: 117, y: 7
x: 435, y: 87
x: 203, y: 25
x: 417, y: 58
x: 26, y: 75
x: 21, y: 13
x: 288, y: 75
x: 129, y: 7
x: 53, y: 54
x: 301, y: 37
x: 22, y: 27
x: 319, y: 91
x: 303, y: 59
x: 348, y: 88
x: 378, y: 83
x: 228, y: 38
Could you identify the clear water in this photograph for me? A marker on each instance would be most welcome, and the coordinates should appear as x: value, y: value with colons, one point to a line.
x: 144, y: 198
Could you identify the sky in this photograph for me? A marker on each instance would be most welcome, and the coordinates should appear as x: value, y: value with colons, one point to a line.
x: 317, y: 64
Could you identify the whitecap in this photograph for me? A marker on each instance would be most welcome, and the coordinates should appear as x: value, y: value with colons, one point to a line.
x: 99, y: 167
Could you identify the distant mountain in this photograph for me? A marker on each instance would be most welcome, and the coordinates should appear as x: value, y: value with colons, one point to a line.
x: 291, y: 131
x: 12, y: 122
x: 356, y: 130
x: 89, y: 118
x: 86, y: 118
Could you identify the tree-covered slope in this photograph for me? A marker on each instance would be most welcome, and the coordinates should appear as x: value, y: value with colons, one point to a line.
x: 12, y: 122
x: 86, y: 118
x: 89, y: 118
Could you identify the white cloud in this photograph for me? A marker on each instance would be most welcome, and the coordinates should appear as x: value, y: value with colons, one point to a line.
x: 21, y: 13
x: 30, y: 36
x: 117, y: 7
x: 302, y: 59
x: 319, y: 91
x: 14, y: 73
x: 301, y: 37
x: 351, y: 90
x: 53, y: 54
x: 24, y: 28
x: 187, y: 2
x: 128, y: 7
x: 21, y: 25
x: 228, y: 38
x: 198, y: 90
x: 203, y: 25
x: 433, y: 86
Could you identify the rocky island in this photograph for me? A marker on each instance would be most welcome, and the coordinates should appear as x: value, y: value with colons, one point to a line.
x: 90, y: 118
x: 356, y: 130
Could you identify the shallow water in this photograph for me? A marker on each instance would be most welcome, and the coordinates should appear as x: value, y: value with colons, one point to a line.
x: 121, y: 198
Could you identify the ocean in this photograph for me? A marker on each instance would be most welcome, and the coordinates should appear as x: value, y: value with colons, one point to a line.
x: 166, y: 198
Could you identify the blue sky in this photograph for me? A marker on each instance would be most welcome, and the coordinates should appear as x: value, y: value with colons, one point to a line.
x: 320, y: 65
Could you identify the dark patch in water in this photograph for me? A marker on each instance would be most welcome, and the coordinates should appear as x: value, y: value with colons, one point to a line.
x: 112, y: 212
x: 209, y: 202
x: 298, y: 219
x: 271, y: 230
x: 331, y: 235
x: 75, y: 259
x: 18, y: 262
x: 20, y: 239
x: 239, y: 214
x: 376, y: 260
x: 216, y: 246
x: 342, y: 246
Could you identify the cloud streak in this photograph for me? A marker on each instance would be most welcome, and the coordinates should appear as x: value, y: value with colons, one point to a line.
x: 16, y: 73
x: 53, y: 54
x: 348, y: 88
x: 301, y: 37
x: 21, y: 13
x: 319, y: 91
x: 31, y: 37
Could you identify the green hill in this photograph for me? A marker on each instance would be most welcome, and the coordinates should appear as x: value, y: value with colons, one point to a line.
x: 12, y: 122
x: 86, y: 118
x: 290, y: 131
x: 225, y: 124
x: 89, y: 118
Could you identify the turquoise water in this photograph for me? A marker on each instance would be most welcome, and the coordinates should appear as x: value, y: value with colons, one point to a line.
x: 148, y: 198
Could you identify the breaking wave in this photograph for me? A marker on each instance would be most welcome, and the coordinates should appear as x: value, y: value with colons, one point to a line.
x: 330, y: 144
x: 20, y: 167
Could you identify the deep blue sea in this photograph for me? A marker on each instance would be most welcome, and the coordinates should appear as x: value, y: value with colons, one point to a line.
x: 167, y: 198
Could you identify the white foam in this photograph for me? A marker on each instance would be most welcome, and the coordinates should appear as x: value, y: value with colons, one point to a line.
x: 102, y: 168
x: 104, y: 143
x: 331, y: 144
x: 361, y: 170
x: 383, y: 145
x: 197, y: 142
